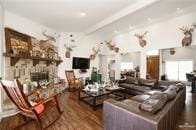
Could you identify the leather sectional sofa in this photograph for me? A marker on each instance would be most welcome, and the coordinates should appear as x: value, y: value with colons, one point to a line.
x: 127, y: 114
x: 139, y: 86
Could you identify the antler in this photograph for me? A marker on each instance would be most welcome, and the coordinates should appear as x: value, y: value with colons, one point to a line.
x: 137, y: 35
x: 144, y: 33
x: 185, y: 28
x: 51, y: 38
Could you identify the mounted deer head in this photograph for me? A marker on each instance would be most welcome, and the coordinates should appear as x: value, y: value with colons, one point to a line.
x: 49, y: 38
x: 172, y: 51
x: 95, y: 52
x: 142, y: 42
x: 112, y: 47
x: 187, y: 40
x: 68, y: 50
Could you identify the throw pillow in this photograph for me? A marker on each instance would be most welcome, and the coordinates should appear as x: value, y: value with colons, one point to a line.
x: 173, y: 86
x: 180, y: 85
x: 171, y: 93
x: 154, y: 103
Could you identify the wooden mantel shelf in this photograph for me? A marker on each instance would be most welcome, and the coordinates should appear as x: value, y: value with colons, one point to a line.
x: 15, y: 58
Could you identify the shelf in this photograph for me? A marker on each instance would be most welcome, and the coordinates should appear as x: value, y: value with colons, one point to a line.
x: 15, y: 58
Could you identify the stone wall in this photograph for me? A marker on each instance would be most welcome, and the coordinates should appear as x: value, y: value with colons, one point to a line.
x: 24, y: 67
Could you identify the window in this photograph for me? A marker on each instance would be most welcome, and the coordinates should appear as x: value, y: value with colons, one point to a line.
x: 126, y: 66
x: 176, y: 70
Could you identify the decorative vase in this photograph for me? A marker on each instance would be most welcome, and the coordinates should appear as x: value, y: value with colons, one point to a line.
x: 26, y: 88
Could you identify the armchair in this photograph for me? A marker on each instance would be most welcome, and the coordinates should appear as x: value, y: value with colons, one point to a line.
x: 38, y: 110
x: 73, y: 83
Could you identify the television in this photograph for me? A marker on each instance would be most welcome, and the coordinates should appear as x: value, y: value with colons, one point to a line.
x: 80, y: 63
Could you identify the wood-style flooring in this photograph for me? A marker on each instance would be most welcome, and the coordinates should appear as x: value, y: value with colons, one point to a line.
x: 79, y: 116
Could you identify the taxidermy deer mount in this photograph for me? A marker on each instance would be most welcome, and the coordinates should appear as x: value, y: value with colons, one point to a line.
x: 187, y: 40
x: 69, y: 49
x: 112, y: 47
x: 172, y: 51
x: 95, y: 52
x: 142, y: 42
x: 49, y: 39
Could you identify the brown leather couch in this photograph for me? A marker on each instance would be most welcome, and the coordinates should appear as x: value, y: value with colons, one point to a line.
x: 126, y: 115
x: 136, y: 86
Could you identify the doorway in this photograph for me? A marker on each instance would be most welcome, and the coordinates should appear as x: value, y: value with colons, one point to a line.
x: 153, y: 67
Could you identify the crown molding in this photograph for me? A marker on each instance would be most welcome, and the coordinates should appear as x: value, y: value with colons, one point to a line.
x: 124, y: 12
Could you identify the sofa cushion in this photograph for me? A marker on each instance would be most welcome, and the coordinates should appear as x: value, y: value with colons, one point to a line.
x: 149, y: 83
x: 167, y: 83
x: 151, y: 92
x: 135, y: 87
x: 131, y: 80
x: 154, y: 103
x: 140, y: 98
x: 171, y: 92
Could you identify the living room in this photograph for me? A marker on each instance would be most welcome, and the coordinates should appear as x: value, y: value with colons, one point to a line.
x: 88, y: 64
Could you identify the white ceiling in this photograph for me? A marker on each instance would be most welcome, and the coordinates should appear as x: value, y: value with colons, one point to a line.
x: 103, y: 16
x: 160, y: 11
x: 64, y: 15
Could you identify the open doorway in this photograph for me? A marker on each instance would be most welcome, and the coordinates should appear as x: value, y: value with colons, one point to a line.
x: 153, y: 61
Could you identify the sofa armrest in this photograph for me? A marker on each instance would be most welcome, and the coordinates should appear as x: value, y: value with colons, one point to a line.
x: 116, y: 117
x: 167, y: 82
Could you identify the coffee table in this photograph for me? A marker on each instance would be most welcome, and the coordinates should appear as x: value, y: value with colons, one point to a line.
x: 95, y: 99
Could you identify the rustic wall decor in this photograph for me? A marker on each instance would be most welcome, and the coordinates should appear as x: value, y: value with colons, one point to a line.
x: 112, y: 46
x: 17, y: 43
x: 187, y: 40
x: 69, y: 49
x: 142, y: 42
x: 172, y: 51
x: 95, y: 52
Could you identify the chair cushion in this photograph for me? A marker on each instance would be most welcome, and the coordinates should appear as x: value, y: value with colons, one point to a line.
x: 154, y: 103
x: 39, y: 109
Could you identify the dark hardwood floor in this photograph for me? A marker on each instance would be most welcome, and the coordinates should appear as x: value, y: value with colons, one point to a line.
x: 80, y: 116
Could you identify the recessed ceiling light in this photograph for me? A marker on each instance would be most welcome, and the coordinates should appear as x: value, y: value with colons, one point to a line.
x: 178, y: 8
x: 149, y: 19
x: 83, y: 14
x: 130, y: 27
x: 116, y: 31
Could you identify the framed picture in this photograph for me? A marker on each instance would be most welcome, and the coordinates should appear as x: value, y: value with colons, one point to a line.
x: 16, y: 42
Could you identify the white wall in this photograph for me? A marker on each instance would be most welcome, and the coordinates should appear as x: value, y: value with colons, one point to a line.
x: 165, y: 34
x: 84, y: 49
x: 1, y: 50
x: 25, y: 25
x: 132, y: 57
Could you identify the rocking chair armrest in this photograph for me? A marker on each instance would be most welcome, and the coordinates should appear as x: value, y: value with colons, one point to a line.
x: 43, y: 101
x: 35, y: 92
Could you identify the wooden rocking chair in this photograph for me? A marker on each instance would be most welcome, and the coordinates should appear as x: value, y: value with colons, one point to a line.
x: 37, y: 111
x: 73, y: 83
